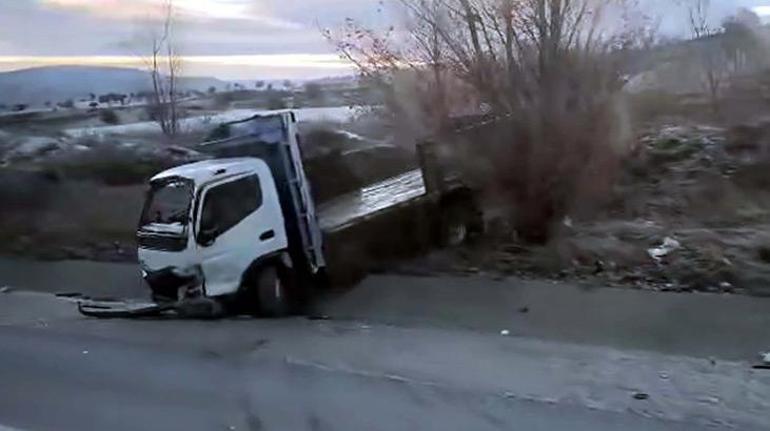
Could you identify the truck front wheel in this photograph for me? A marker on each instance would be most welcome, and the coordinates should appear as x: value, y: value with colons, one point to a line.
x: 272, y: 292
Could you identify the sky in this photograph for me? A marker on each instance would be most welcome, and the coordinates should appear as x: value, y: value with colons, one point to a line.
x: 228, y: 39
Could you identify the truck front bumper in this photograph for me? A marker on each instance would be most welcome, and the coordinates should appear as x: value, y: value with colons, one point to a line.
x: 172, y: 284
x: 198, y: 308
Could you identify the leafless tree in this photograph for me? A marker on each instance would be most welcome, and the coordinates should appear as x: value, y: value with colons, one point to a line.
x: 710, y: 56
x: 165, y: 66
x: 548, y: 69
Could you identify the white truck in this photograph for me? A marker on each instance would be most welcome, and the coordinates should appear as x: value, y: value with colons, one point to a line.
x: 242, y: 230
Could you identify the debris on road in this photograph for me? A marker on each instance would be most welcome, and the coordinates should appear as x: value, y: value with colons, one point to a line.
x: 568, y: 222
x: 69, y: 295
x: 765, y: 358
x: 5, y: 289
x: 505, y: 332
x: 668, y: 246
x: 641, y: 396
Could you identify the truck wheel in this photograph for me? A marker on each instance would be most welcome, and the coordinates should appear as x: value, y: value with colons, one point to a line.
x: 272, y: 293
x: 455, y: 226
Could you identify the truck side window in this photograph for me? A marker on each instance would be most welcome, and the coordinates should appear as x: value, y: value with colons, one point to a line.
x: 228, y: 204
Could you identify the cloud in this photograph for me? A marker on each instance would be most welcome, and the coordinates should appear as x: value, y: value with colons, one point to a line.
x: 113, y: 9
x: 77, y: 29
x: 762, y: 10
x: 295, y: 66
x: 185, y: 10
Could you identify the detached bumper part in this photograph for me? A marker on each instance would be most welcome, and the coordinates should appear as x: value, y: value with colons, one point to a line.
x: 175, y: 292
x: 123, y: 309
x: 174, y: 284
x: 198, y: 308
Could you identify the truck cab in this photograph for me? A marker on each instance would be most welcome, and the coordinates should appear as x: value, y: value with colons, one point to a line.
x: 232, y: 227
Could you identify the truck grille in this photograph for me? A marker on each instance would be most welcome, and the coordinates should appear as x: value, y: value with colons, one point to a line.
x: 161, y: 242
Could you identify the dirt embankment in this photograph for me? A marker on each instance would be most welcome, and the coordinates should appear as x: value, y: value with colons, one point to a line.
x: 691, y: 213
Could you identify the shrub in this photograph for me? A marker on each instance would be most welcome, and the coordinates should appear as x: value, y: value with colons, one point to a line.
x: 275, y: 102
x: 109, y: 116
x: 110, y: 166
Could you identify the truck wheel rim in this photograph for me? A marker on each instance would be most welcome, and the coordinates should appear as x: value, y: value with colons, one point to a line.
x: 278, y: 289
x: 456, y: 234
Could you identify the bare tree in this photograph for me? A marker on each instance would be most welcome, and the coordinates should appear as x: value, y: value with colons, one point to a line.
x: 547, y: 69
x: 711, y: 58
x: 165, y: 66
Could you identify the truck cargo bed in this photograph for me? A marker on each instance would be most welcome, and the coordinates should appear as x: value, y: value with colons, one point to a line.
x: 349, y: 209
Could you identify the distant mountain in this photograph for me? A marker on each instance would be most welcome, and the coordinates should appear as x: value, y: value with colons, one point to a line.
x: 57, y: 83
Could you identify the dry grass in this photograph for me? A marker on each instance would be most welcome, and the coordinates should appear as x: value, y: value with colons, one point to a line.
x: 72, y: 216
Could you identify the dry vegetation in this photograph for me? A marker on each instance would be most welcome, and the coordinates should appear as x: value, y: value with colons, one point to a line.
x: 588, y: 173
x: 548, y: 72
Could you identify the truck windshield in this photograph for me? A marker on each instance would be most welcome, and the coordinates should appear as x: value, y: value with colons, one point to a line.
x: 167, y: 207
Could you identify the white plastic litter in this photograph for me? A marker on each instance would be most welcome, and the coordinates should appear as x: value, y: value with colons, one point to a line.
x: 669, y: 245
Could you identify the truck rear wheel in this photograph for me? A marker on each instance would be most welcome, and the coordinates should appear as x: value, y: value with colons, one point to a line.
x: 272, y: 293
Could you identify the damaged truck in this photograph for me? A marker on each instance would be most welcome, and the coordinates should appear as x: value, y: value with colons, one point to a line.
x: 241, y: 231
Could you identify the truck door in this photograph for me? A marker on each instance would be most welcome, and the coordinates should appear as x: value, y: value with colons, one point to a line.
x: 239, y: 221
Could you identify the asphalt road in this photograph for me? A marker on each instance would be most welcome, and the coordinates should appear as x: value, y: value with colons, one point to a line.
x: 701, y: 325
x: 397, y: 353
x: 75, y: 381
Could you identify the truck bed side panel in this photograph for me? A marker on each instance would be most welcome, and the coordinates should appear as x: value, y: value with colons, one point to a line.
x: 362, y: 204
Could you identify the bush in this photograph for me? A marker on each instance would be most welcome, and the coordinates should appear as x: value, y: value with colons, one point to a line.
x: 313, y: 91
x: 109, y: 116
x: 650, y: 105
x: 275, y: 102
x: 110, y: 166
x: 153, y: 112
x: 224, y: 99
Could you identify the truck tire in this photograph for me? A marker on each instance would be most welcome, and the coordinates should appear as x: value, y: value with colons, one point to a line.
x: 273, y: 293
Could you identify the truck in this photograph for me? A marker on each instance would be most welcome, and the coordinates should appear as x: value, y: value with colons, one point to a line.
x: 241, y: 230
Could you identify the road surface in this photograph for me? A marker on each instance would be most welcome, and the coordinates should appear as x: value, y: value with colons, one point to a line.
x: 393, y: 357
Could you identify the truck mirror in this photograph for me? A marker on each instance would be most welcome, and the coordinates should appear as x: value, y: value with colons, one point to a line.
x: 208, y: 236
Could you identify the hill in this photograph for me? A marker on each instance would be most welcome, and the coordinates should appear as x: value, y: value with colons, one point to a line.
x: 35, y: 86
